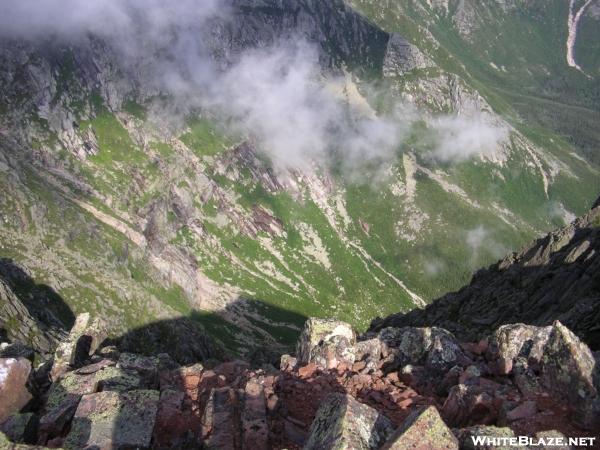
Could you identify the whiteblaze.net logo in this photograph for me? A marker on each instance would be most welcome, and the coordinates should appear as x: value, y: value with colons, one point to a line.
x: 515, y: 441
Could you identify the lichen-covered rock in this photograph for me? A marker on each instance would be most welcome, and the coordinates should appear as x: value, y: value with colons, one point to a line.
x: 145, y: 366
x: 326, y: 342
x: 422, y: 429
x: 343, y: 423
x: 85, y: 337
x: 114, y: 420
x: 434, y: 348
x: 63, y: 398
x: 546, y: 439
x: 465, y: 437
x: 14, y: 395
x: 569, y: 371
x: 20, y: 428
x: 517, y: 340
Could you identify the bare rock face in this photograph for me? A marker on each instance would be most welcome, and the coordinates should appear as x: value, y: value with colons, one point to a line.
x: 422, y: 429
x: 570, y: 371
x: 84, y: 339
x: 343, y: 423
x: 435, y: 348
x: 113, y: 420
x: 402, y: 57
x: 517, y: 340
x: 326, y: 343
x: 14, y: 374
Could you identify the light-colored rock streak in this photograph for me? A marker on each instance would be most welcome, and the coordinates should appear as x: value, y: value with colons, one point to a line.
x: 572, y: 23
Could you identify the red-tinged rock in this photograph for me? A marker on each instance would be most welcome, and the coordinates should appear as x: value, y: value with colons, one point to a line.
x: 175, y: 426
x: 469, y: 373
x: 218, y: 422
x: 392, y: 377
x: 524, y: 411
x: 272, y: 402
x: 342, y: 368
x: 255, y: 431
x: 231, y: 370
x: 269, y: 381
x: 476, y: 348
x: 14, y: 395
x: 358, y: 366
x: 468, y: 404
x: 307, y: 371
x: 406, y: 403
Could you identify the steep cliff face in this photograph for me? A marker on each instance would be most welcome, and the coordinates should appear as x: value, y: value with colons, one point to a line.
x: 553, y: 278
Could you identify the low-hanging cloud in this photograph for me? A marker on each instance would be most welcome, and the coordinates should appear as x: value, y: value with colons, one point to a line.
x: 278, y: 95
x: 462, y: 137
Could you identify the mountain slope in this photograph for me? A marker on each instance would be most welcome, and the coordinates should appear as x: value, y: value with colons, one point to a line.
x: 137, y: 201
x: 553, y: 278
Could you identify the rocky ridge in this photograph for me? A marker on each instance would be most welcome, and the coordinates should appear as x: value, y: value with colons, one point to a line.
x: 393, y: 389
x: 554, y: 277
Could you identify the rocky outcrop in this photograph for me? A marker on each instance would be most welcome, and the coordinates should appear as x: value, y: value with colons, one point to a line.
x: 423, y: 428
x: 14, y: 395
x: 344, y: 423
x: 402, y: 57
x: 570, y: 371
x: 400, y: 388
x: 84, y: 339
x: 553, y: 278
x: 326, y: 343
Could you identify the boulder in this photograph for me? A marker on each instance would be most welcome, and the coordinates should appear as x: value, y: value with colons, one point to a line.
x: 14, y: 395
x: 255, y: 430
x: 114, y: 420
x: 469, y: 404
x: 435, y: 348
x: 569, y: 371
x: 21, y: 428
x: 287, y: 363
x: 146, y: 368
x: 176, y: 426
x: 326, y: 342
x: 466, y: 438
x: 517, y: 340
x: 422, y: 429
x: 344, y: 423
x: 218, y: 422
x: 83, y: 340
x: 63, y: 398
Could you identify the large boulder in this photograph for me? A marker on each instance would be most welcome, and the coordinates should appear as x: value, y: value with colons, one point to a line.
x: 569, y: 371
x: 434, y: 348
x: 114, y: 420
x: 343, y: 423
x: 512, y: 341
x: 326, y: 343
x: 422, y: 429
x: 14, y: 395
x: 84, y: 339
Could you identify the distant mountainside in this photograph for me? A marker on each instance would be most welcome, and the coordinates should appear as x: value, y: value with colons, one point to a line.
x: 273, y: 161
x: 554, y: 278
